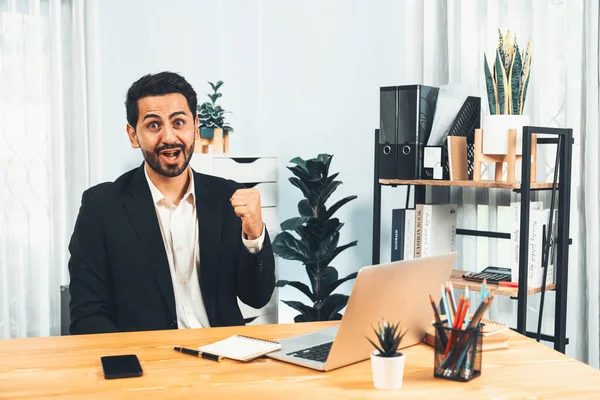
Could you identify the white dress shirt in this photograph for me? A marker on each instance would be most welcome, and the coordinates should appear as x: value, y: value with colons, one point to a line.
x: 179, y: 229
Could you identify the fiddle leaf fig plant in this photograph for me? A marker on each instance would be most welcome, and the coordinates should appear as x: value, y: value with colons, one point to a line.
x: 312, y: 238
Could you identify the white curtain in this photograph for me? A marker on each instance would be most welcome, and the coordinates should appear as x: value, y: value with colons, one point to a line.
x: 588, y: 283
x: 444, y: 42
x: 44, y: 152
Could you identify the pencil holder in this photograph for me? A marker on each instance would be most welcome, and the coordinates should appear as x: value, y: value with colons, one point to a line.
x: 457, y: 353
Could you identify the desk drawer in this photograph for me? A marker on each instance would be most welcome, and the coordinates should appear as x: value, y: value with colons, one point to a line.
x: 247, y: 170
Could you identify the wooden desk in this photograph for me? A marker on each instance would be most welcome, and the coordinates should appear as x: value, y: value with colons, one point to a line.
x: 69, y: 368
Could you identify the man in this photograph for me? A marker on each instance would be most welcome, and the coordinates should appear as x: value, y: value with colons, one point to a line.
x: 164, y: 247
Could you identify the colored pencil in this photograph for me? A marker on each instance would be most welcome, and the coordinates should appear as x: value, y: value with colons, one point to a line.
x: 445, y: 303
x: 451, y: 304
x: 456, y: 325
x: 452, y: 293
x: 438, y: 320
x: 483, y: 293
x: 467, y: 297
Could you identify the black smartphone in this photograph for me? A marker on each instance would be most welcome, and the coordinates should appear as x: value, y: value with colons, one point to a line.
x: 126, y: 366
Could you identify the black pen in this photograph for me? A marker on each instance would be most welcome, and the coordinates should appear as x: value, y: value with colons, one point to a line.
x: 197, y: 353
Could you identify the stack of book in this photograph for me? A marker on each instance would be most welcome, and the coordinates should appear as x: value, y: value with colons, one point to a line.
x: 427, y: 230
x: 509, y: 220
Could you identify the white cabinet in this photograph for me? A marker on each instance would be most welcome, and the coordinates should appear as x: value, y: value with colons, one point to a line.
x: 259, y: 172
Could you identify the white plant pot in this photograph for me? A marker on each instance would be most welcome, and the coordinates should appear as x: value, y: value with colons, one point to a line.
x: 387, y: 371
x: 495, y: 132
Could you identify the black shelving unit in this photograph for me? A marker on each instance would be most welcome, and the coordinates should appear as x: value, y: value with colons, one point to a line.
x: 563, y: 138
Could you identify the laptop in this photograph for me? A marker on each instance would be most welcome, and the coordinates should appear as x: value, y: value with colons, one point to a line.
x: 397, y: 291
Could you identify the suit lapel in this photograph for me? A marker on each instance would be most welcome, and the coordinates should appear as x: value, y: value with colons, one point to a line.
x: 141, y: 211
x: 208, y: 207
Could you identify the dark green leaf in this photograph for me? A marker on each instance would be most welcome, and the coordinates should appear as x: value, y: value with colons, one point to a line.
x: 515, y: 81
x: 344, y: 247
x: 328, y: 191
x: 316, y: 168
x: 216, y: 86
x: 328, y: 275
x: 309, y: 312
x: 288, y: 247
x: 500, y: 48
x: 300, y: 184
x: 326, y: 159
x: 331, y: 178
x: 306, y: 238
x: 301, y: 173
x: 332, y: 305
x: 501, y: 82
x: 330, y: 227
x: 305, y: 209
x: 311, y: 271
x: 333, y: 284
x: 292, y: 223
x: 376, y: 347
x: 490, y: 86
x: 338, y: 204
x: 524, y: 92
x: 298, y: 285
x: 300, y: 162
x: 300, y: 165
x: 328, y: 245
x: 311, y: 235
x: 336, y: 317
x: 322, y: 277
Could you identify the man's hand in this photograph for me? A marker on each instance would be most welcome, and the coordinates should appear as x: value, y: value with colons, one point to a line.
x: 246, y: 204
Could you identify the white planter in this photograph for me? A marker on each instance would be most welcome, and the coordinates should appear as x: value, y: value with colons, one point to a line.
x: 387, y: 371
x: 495, y: 132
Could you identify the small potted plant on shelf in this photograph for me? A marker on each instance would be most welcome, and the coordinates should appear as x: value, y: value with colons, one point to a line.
x: 387, y: 364
x: 506, y: 83
x: 211, y: 116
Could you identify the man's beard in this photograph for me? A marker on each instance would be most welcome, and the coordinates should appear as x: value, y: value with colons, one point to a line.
x: 153, y: 160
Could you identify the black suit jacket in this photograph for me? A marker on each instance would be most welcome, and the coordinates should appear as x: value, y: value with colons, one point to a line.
x: 120, y: 275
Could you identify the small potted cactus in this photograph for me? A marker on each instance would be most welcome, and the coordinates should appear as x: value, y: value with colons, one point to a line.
x: 387, y: 364
x: 211, y: 116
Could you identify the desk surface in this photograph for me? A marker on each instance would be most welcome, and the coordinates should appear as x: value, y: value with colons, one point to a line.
x: 69, y: 367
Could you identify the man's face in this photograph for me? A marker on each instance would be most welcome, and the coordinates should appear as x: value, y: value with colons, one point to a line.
x: 165, y: 132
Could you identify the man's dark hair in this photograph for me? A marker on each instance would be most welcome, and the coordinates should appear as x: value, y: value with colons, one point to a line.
x: 158, y: 85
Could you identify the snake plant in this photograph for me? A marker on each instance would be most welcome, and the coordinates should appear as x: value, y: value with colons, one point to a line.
x: 507, y: 80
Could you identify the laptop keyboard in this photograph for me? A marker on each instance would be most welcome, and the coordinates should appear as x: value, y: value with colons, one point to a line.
x: 316, y: 353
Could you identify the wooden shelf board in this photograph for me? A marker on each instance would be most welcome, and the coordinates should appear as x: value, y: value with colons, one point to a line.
x: 459, y: 283
x: 477, y: 184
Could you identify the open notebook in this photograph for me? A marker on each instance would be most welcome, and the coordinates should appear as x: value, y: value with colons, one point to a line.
x: 241, y: 348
